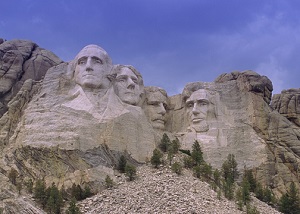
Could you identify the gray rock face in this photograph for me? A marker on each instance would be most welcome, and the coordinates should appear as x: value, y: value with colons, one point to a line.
x: 73, y: 125
x: 287, y: 104
x: 21, y: 60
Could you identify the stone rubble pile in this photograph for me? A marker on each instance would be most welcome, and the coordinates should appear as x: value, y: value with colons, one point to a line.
x: 162, y: 191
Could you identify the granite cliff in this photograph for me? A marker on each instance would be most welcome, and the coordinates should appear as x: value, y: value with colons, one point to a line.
x: 69, y: 122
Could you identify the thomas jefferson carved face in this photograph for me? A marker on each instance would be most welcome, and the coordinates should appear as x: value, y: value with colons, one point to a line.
x: 127, y: 86
x: 155, y: 107
x: 92, y: 67
x: 197, y: 108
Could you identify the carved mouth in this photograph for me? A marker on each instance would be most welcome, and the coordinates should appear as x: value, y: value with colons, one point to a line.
x: 197, y: 120
x: 87, y: 75
x: 159, y: 121
x: 129, y: 93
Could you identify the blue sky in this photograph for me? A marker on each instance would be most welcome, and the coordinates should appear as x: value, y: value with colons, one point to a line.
x: 171, y: 42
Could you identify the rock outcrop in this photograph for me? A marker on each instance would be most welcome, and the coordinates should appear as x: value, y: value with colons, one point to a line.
x: 21, y: 60
x: 287, y: 104
x: 71, y: 126
x: 23, y: 64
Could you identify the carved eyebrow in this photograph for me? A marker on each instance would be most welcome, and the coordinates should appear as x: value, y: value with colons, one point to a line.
x: 121, y: 76
x: 203, y: 100
x: 82, y: 58
x: 97, y: 58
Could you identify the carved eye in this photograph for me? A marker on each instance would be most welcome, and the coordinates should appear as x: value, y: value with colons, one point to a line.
x: 121, y: 79
x: 81, y: 61
x: 203, y: 104
x: 135, y: 80
x: 97, y: 60
x: 190, y: 105
x: 154, y: 103
x: 165, y: 105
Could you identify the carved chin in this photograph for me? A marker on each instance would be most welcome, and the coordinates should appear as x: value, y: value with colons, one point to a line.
x: 130, y: 100
x: 200, y: 127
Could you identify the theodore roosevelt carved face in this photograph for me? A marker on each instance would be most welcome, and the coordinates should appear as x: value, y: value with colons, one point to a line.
x: 155, y: 106
x: 92, y: 65
x: 128, y: 84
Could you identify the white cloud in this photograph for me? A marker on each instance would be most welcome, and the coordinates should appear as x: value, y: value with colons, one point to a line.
x: 275, y: 73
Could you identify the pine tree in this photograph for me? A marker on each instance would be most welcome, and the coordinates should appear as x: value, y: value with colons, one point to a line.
x: 229, y: 169
x: 156, y: 158
x: 259, y: 192
x: 39, y: 192
x: 170, y: 154
x: 206, y: 171
x: 54, y: 200
x: 248, y: 175
x: 289, y: 202
x: 73, y: 209
x: 86, y: 192
x: 122, y: 164
x: 175, y: 145
x: 165, y: 143
x: 130, y: 171
x: 217, y: 177
x: 197, y: 153
x: 246, y: 191
x: 76, y: 192
x: 228, y: 189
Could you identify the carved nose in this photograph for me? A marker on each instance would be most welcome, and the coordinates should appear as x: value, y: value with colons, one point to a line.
x: 130, y: 84
x: 89, y: 65
x: 195, y: 109
x: 162, y: 109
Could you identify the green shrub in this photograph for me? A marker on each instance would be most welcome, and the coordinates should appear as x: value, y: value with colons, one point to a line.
x: 122, y: 163
x: 109, y: 182
x: 156, y: 158
x: 188, y: 162
x: 73, y: 209
x: 12, y: 176
x: 251, y: 209
x: 177, y: 168
x: 130, y: 171
x: 197, y: 171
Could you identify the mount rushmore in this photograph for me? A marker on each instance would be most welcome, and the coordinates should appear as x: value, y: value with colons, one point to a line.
x: 69, y: 122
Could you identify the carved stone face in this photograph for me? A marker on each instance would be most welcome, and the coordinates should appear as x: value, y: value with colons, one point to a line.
x: 91, y: 68
x: 126, y: 86
x: 155, y: 109
x: 197, y: 108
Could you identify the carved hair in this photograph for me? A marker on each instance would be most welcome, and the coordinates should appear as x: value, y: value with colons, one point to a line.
x: 117, y: 69
x: 153, y: 89
x: 191, y: 88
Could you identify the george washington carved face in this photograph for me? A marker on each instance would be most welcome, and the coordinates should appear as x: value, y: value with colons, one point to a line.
x: 92, y: 67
